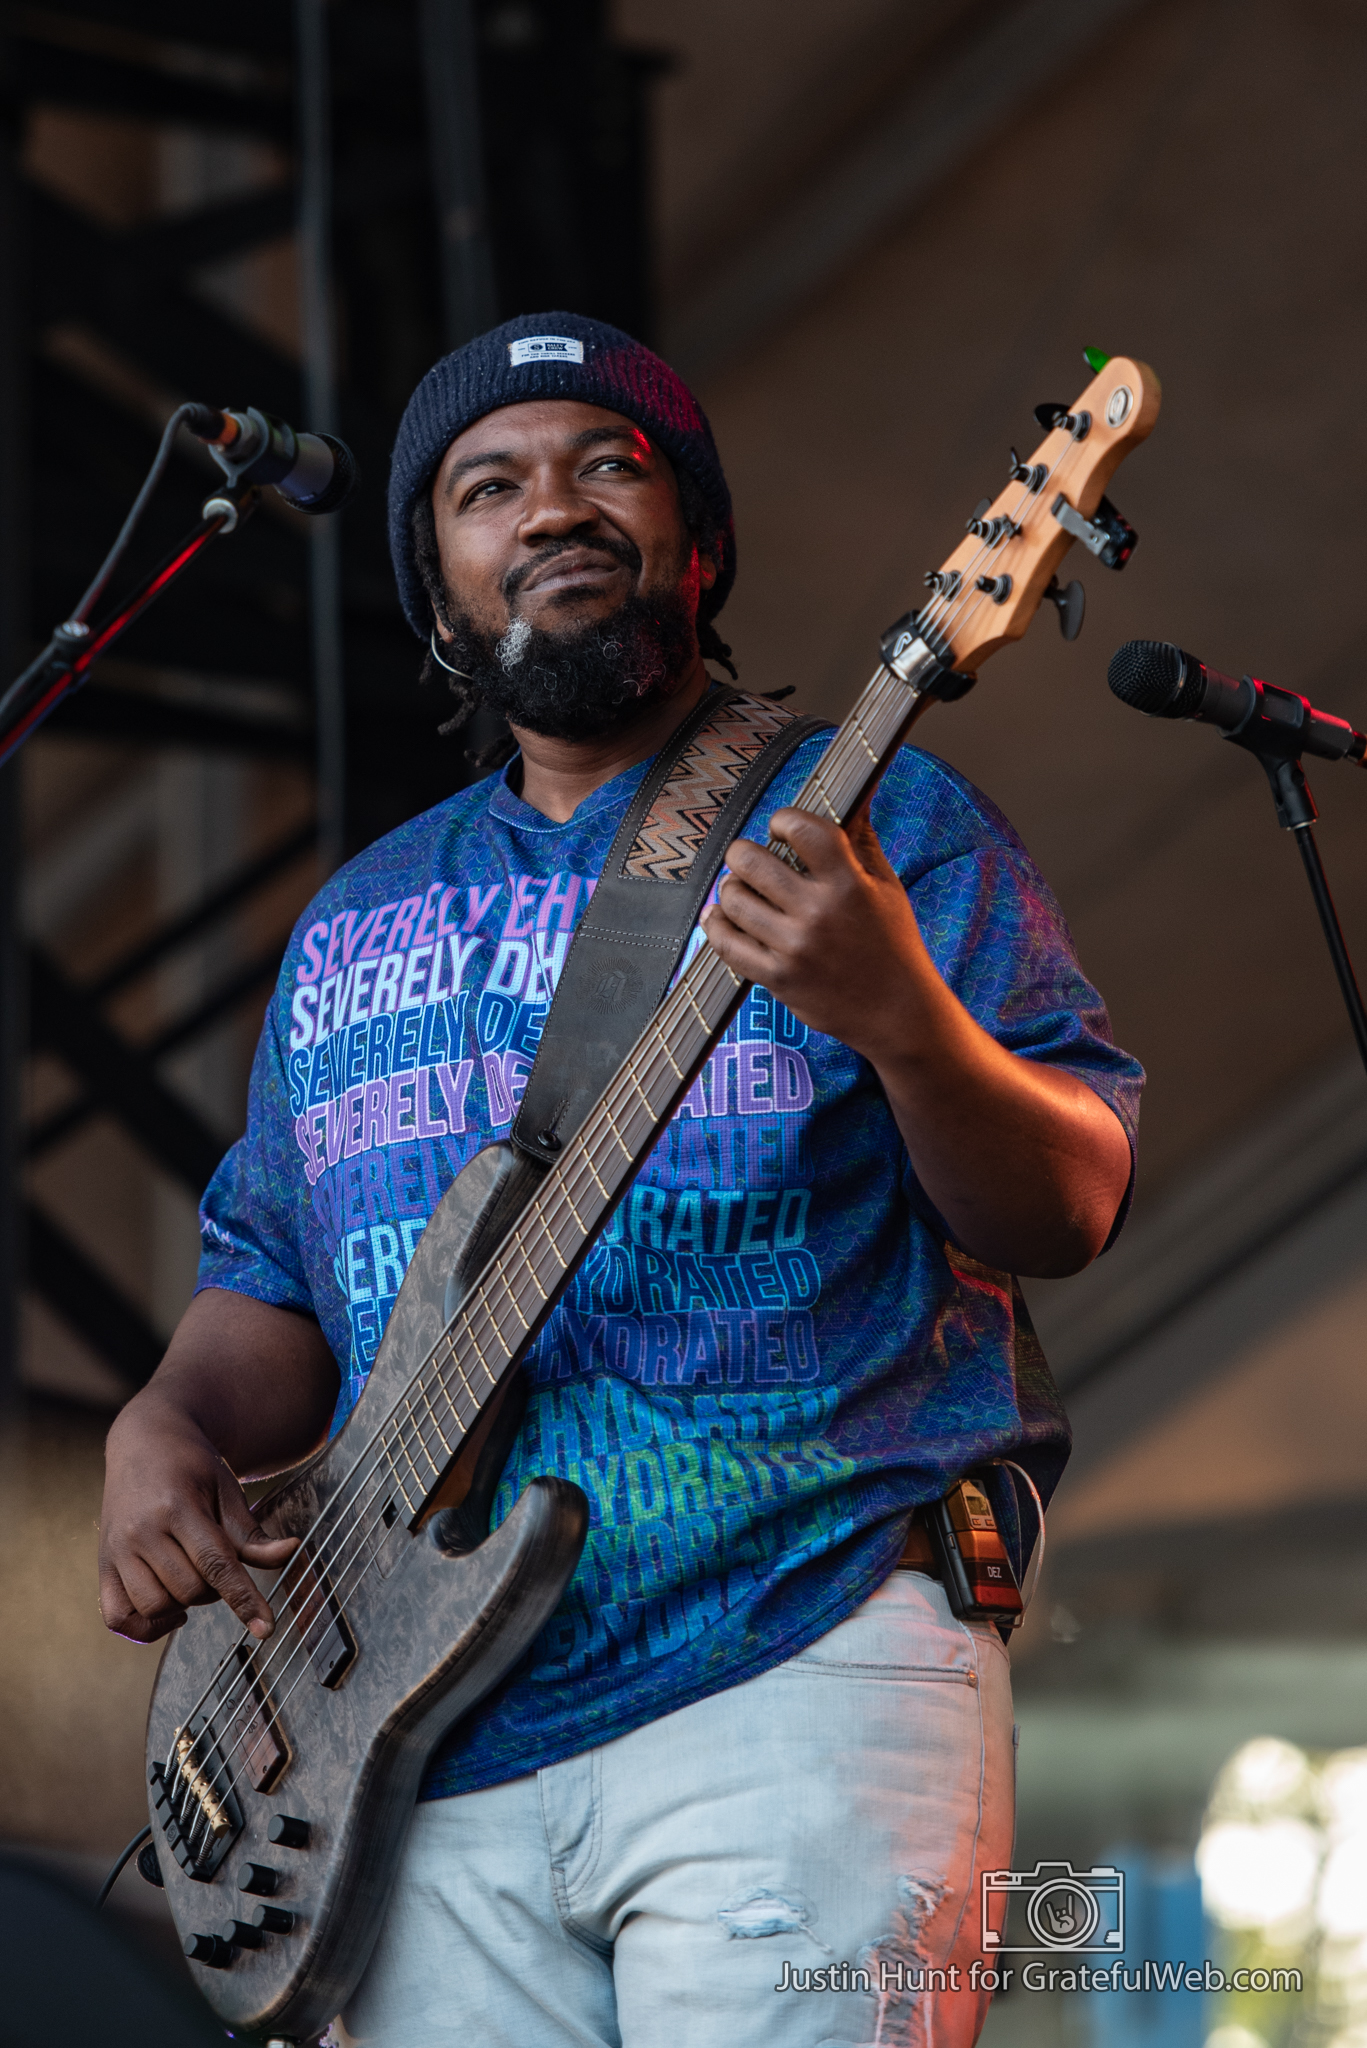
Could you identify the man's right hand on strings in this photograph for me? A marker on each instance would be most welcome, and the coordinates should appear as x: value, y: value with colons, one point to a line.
x: 245, y: 1389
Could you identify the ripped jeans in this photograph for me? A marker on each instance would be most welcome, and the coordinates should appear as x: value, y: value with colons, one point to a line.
x: 732, y: 1873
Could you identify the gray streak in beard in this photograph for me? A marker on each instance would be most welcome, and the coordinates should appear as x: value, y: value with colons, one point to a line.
x: 511, y: 648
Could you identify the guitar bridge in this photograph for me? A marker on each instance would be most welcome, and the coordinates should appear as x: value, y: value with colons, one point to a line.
x: 194, y: 1801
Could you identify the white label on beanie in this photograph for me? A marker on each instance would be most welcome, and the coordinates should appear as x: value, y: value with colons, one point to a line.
x: 541, y: 348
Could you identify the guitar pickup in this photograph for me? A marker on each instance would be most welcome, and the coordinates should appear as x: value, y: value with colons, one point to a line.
x: 1107, y: 535
x: 332, y: 1648
x: 335, y: 1654
x: 252, y: 1723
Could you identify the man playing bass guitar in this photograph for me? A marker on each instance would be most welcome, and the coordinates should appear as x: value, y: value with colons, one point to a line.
x: 750, y: 1756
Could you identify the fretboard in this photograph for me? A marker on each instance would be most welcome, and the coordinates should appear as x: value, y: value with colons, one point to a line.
x: 538, y: 1257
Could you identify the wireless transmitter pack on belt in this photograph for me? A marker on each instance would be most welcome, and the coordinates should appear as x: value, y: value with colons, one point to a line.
x: 956, y: 1540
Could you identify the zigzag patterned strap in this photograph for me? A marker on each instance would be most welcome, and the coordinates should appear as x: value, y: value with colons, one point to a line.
x: 655, y: 880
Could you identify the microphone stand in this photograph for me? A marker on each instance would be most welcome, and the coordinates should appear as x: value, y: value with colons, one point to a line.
x: 74, y: 648
x: 1296, y: 813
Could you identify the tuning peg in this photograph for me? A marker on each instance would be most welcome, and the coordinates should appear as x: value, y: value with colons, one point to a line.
x: 943, y: 582
x: 1052, y: 414
x: 1071, y: 600
x: 971, y: 523
x: 998, y: 588
x: 993, y: 530
x: 1031, y: 474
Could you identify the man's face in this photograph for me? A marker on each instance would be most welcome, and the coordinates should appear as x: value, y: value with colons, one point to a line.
x: 572, y: 580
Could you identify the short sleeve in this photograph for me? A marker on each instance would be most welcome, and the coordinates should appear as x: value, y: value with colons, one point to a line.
x: 997, y: 935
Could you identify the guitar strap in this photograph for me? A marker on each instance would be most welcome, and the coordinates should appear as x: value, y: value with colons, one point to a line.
x: 655, y: 880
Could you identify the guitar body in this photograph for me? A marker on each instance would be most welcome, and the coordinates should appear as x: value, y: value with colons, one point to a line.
x: 423, y: 1637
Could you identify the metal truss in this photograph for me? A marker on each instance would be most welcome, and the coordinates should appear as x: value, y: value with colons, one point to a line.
x: 106, y: 329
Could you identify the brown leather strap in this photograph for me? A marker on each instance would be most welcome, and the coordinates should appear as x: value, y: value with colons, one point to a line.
x: 918, y: 1554
x: 655, y: 880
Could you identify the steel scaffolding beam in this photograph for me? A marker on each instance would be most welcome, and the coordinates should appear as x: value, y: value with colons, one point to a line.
x: 102, y: 329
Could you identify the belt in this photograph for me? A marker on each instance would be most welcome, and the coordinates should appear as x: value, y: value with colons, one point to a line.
x: 918, y: 1554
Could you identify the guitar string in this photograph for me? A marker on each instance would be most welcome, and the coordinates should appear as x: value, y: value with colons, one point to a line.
x: 363, y: 1534
x: 828, y: 762
x: 1022, y: 506
x: 379, y: 1447
x: 376, y: 1462
x: 368, y: 1470
x: 386, y: 1443
x: 386, y: 1440
x: 835, y: 761
x: 848, y: 770
x: 647, y: 1113
x: 938, y: 605
x: 1072, y: 446
x: 842, y: 760
x: 368, y: 1459
x: 312, y: 1629
x: 937, y: 610
x: 730, y: 985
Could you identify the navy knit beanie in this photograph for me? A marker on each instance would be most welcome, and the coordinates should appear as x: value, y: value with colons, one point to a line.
x: 549, y: 355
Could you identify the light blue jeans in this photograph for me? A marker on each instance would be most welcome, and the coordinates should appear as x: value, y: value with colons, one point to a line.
x: 722, y: 1876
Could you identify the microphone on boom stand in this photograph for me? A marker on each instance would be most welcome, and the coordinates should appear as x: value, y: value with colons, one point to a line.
x: 1276, y: 727
x: 312, y: 472
x: 1165, y: 681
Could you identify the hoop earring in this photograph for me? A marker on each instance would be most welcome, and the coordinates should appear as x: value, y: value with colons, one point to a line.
x: 432, y: 643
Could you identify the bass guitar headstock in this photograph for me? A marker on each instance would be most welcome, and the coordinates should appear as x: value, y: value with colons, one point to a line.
x: 990, y: 588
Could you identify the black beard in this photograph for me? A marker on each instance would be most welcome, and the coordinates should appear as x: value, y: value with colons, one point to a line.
x: 586, y: 681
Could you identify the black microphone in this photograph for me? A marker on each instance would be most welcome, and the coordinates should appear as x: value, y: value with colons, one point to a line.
x: 1164, y: 681
x: 312, y: 472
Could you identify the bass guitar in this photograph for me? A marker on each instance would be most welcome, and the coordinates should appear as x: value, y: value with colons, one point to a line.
x: 282, y: 1775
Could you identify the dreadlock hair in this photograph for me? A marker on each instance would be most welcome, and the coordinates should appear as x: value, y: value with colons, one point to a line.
x: 702, y: 530
x: 706, y: 536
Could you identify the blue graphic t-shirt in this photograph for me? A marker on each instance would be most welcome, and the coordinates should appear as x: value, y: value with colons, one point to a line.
x: 773, y: 1351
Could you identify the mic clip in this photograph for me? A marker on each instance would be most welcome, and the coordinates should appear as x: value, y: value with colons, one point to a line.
x: 1106, y: 534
